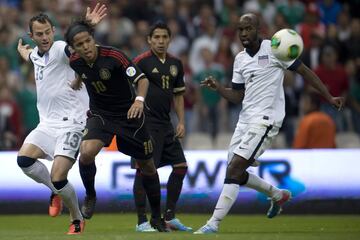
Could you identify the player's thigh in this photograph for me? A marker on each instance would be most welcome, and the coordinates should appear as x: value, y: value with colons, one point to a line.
x: 40, y: 143
x: 133, y: 139
x: 61, y: 167
x: 68, y: 141
x: 254, y: 141
x: 90, y: 148
x: 173, y: 153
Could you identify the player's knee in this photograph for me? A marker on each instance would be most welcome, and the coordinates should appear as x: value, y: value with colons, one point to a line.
x: 180, y: 170
x: 58, y: 185
x: 147, y: 167
x: 25, y: 162
x: 86, y: 157
x: 237, y: 179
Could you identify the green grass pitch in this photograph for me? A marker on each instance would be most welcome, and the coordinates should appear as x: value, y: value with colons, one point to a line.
x: 247, y: 227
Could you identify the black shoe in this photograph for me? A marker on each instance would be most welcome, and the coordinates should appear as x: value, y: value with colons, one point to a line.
x: 87, y: 209
x: 159, y: 225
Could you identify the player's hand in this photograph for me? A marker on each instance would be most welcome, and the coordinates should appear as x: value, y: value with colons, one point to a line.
x: 136, y: 110
x: 180, y: 131
x: 96, y: 15
x: 24, y: 50
x: 210, y: 82
x: 76, y: 85
x: 338, y: 102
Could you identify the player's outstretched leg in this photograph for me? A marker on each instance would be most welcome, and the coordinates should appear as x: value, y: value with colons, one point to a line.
x: 174, y: 186
x: 278, y: 196
x: 277, y: 203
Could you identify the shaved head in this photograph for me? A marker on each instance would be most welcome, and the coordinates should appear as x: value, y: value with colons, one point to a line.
x: 250, y: 18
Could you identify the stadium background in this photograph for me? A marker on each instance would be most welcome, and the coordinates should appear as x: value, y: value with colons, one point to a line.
x: 203, y: 31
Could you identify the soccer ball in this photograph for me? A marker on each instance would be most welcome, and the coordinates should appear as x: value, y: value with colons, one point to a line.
x: 286, y: 45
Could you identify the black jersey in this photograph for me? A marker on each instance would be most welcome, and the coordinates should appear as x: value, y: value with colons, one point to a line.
x: 165, y: 79
x: 108, y: 81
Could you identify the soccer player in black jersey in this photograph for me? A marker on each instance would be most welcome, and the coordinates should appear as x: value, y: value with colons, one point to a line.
x: 166, y: 78
x: 114, y: 110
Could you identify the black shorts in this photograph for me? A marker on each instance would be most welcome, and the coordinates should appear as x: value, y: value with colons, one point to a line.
x: 132, y: 137
x: 167, y: 148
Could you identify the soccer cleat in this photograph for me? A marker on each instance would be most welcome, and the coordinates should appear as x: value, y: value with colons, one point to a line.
x: 87, y: 209
x: 145, y: 227
x: 55, y: 206
x: 175, y: 225
x: 76, y: 227
x: 206, y: 229
x: 276, y: 205
x: 159, y: 225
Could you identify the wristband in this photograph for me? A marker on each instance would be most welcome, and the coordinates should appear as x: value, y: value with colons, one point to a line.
x: 140, y: 98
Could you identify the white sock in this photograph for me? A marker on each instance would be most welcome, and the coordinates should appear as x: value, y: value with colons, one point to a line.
x: 260, y: 185
x: 70, y: 200
x: 39, y: 172
x: 226, y: 200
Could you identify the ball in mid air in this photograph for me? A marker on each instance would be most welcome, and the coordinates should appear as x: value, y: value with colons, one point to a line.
x: 286, y: 44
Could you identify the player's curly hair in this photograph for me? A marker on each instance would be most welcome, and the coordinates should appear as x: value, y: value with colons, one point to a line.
x: 77, y: 27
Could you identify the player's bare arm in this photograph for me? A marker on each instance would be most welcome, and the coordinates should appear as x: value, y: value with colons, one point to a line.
x: 232, y: 95
x: 96, y: 15
x: 137, y: 108
x: 24, y: 50
x: 76, y: 84
x: 180, y: 112
x: 314, y: 80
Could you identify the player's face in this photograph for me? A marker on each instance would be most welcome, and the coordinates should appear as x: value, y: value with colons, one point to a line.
x: 247, y: 33
x: 43, y: 35
x: 159, y: 41
x: 84, y: 45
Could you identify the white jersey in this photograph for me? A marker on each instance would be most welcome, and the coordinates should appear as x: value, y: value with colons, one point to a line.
x: 263, y: 76
x: 57, y: 103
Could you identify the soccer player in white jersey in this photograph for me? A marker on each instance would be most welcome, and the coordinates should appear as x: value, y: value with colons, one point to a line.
x: 258, y: 82
x: 62, y: 114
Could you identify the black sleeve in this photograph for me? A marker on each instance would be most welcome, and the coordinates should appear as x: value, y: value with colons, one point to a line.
x: 67, y: 51
x: 295, y: 65
x: 238, y: 86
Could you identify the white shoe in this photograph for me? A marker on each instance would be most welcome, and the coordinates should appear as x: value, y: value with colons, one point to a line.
x: 276, y: 205
x: 206, y: 229
x: 145, y: 227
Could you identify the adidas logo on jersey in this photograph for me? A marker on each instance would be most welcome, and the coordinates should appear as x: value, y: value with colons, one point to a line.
x: 155, y: 70
x: 83, y: 76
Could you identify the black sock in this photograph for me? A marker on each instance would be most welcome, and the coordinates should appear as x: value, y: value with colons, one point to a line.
x: 140, y: 198
x: 174, y: 186
x: 87, y: 173
x: 151, y: 185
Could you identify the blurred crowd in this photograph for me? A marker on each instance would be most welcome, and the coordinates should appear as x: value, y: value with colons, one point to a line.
x: 204, y: 37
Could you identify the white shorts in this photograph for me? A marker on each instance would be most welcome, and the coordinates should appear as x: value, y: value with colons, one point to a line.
x: 251, y: 140
x: 54, y: 141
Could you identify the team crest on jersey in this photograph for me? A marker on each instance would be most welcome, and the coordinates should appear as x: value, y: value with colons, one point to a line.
x: 104, y: 74
x: 173, y: 70
x: 263, y: 60
x: 130, y: 71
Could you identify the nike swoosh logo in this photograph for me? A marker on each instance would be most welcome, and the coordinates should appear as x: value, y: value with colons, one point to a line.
x: 67, y: 149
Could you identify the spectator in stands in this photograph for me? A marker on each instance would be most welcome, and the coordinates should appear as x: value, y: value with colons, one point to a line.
x: 333, y: 75
x: 293, y: 11
x: 353, y: 69
x: 329, y: 11
x: 210, y: 100
x: 316, y: 129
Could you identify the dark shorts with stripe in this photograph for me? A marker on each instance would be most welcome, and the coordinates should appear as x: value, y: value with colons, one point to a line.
x: 132, y: 137
x: 167, y: 148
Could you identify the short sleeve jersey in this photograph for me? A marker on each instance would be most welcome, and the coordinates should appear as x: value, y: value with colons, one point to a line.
x: 109, y: 81
x: 262, y: 75
x: 55, y: 98
x: 165, y: 79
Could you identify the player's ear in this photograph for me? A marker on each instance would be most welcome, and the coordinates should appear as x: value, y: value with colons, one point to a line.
x: 149, y: 40
x: 53, y: 28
